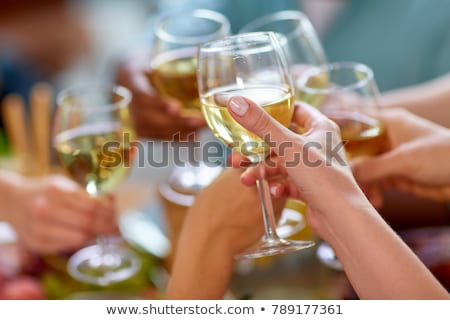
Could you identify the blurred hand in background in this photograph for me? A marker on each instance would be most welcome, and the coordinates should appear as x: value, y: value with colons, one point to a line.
x: 53, y: 214
x: 416, y: 163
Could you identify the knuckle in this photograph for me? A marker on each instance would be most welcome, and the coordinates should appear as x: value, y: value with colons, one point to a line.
x: 36, y: 246
x: 39, y: 236
x: 38, y: 211
x: 261, y: 123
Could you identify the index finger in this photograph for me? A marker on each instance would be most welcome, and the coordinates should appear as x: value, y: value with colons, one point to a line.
x: 255, y: 119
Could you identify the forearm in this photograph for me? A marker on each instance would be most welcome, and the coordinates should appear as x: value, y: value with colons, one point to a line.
x: 430, y: 100
x: 377, y: 262
x: 202, y: 267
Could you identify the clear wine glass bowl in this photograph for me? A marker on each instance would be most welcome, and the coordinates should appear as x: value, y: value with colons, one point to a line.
x: 93, y: 136
x: 251, y: 65
x: 173, y: 73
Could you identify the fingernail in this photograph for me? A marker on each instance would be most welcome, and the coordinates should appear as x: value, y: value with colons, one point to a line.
x: 238, y: 105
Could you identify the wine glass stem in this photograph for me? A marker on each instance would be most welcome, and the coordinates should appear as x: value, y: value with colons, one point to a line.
x: 266, y: 207
x: 102, y: 242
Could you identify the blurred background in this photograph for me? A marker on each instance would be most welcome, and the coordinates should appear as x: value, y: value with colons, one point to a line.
x: 71, y: 43
x: 66, y: 42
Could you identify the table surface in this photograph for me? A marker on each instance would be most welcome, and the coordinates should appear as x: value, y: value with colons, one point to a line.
x: 294, y: 276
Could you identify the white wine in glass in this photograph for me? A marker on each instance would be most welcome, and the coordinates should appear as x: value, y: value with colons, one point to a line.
x: 349, y: 96
x: 81, y: 153
x: 173, y: 66
x: 297, y: 37
x: 277, y: 101
x: 303, y: 50
x: 93, y: 136
x: 173, y: 73
x: 253, y: 66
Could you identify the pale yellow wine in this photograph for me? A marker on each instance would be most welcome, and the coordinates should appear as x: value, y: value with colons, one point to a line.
x: 305, y: 91
x: 174, y: 74
x: 277, y: 101
x: 364, y: 136
x: 98, y: 156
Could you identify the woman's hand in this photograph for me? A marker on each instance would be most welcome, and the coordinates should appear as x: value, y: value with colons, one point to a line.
x: 311, y: 166
x: 154, y: 116
x: 379, y: 265
x: 417, y: 161
x: 54, y: 214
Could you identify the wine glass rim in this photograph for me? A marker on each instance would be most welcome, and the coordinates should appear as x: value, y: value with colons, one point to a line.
x: 279, y: 16
x: 73, y: 91
x: 228, y: 43
x: 211, y: 15
x: 302, y: 80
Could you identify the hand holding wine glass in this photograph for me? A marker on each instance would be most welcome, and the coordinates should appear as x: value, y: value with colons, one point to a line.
x: 93, y: 135
x: 53, y: 214
x: 248, y: 66
x: 303, y: 50
x: 337, y: 209
x: 154, y: 116
x: 300, y: 164
x: 415, y: 162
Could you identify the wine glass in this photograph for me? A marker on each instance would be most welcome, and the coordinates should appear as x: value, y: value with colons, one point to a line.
x: 297, y: 37
x: 172, y: 72
x: 347, y: 93
x: 303, y: 49
x: 252, y: 65
x: 92, y: 136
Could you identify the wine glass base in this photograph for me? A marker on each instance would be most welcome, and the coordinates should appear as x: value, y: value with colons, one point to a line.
x: 328, y: 258
x: 190, y: 180
x: 274, y: 247
x: 103, y: 266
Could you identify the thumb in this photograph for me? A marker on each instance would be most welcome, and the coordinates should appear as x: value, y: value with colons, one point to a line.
x: 255, y: 119
x: 370, y: 169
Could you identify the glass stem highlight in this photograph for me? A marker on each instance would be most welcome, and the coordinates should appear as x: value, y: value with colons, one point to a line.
x: 265, y: 199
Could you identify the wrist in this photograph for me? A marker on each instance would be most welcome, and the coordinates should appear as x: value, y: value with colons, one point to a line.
x: 206, y: 230
x: 348, y: 202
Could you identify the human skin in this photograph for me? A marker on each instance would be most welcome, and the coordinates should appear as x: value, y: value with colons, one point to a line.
x: 53, y: 214
x: 377, y: 262
x: 416, y: 162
